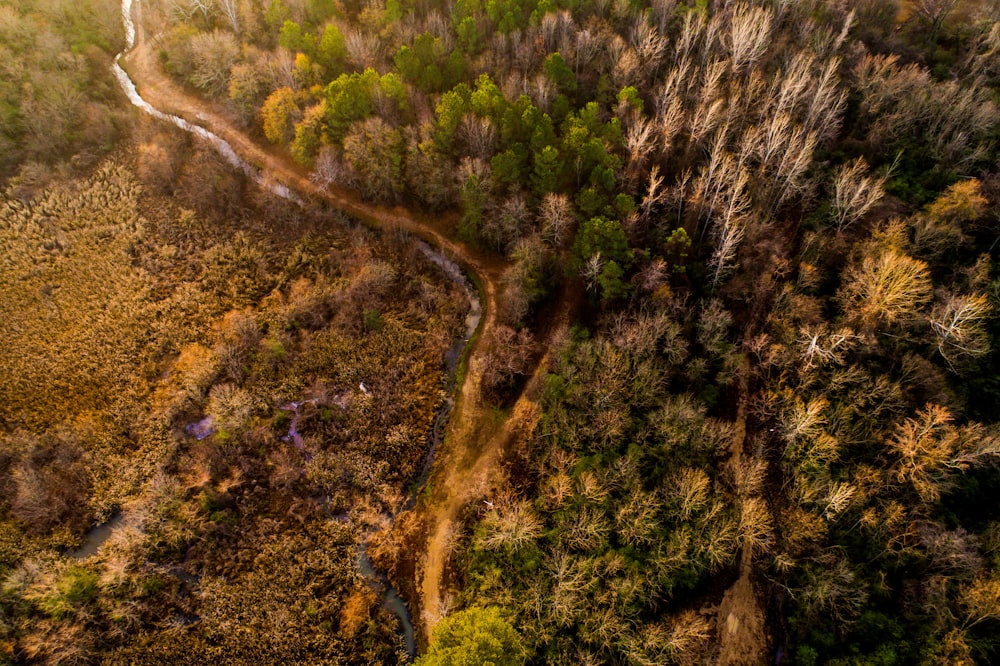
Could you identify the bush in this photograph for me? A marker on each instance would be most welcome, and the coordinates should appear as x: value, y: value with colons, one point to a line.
x: 474, y: 637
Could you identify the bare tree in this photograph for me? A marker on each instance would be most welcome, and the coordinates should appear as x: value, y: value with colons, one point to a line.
x: 555, y: 218
x: 958, y: 324
x: 730, y: 226
x: 231, y: 13
x: 749, y: 35
x: 511, y: 524
x: 854, y: 193
x: 820, y: 346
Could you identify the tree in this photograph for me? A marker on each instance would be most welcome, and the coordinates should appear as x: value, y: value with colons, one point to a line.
x: 356, y: 96
x: 560, y: 74
x: 230, y: 408
x: 427, y: 64
x: 941, y: 226
x: 602, y: 255
x: 213, y: 56
x: 599, y: 235
x: 474, y: 637
x: 928, y: 449
x: 279, y: 115
x: 449, y: 111
x: 932, y: 12
x: 888, y: 287
x: 375, y: 151
x: 309, y: 134
x: 555, y: 218
x: 430, y: 175
x: 248, y: 88
x: 958, y: 325
x: 231, y: 12
x: 749, y: 35
x: 332, y: 50
x: 510, y: 357
x: 854, y: 193
x: 546, y: 170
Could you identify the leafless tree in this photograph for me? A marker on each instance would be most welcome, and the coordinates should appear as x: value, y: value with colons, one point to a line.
x: 854, y: 193
x: 958, y: 324
x: 555, y: 218
x: 821, y: 346
x: 231, y: 13
x: 749, y: 35
x: 933, y: 12
x: 730, y: 225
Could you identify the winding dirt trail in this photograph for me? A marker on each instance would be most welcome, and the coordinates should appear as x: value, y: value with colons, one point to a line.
x: 475, y: 438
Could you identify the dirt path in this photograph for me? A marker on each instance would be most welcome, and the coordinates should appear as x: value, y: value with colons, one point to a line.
x: 740, y: 622
x: 469, y: 467
x: 474, y: 439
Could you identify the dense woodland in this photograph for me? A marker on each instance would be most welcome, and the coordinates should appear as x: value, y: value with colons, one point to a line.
x: 780, y: 217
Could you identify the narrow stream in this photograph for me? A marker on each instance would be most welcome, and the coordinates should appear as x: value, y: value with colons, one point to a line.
x: 452, y: 358
x: 391, y: 600
x: 293, y: 435
x: 96, y: 536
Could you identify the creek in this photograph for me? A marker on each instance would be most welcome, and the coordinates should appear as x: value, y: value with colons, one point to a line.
x: 96, y: 536
x: 390, y: 598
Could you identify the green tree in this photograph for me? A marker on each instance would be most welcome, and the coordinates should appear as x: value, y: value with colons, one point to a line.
x: 332, y: 50
x: 450, y: 110
x: 290, y: 36
x: 546, y: 170
x: 277, y: 14
x: 599, y: 235
x: 350, y: 97
x: 557, y: 71
x: 488, y: 99
x: 474, y: 637
x: 469, y: 36
x: 419, y: 62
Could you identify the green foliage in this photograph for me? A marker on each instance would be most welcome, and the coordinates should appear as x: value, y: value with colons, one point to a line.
x: 629, y: 96
x: 310, y: 134
x: 373, y: 320
x: 469, y: 36
x: 292, y: 38
x: 474, y: 637
x: 428, y: 65
x: 557, y: 71
x: 547, y: 167
x: 450, y: 110
x: 605, y: 237
x: 332, y: 50
x: 277, y: 14
x: 351, y: 97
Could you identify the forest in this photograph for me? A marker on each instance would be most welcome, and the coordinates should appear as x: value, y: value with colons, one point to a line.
x: 733, y: 399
